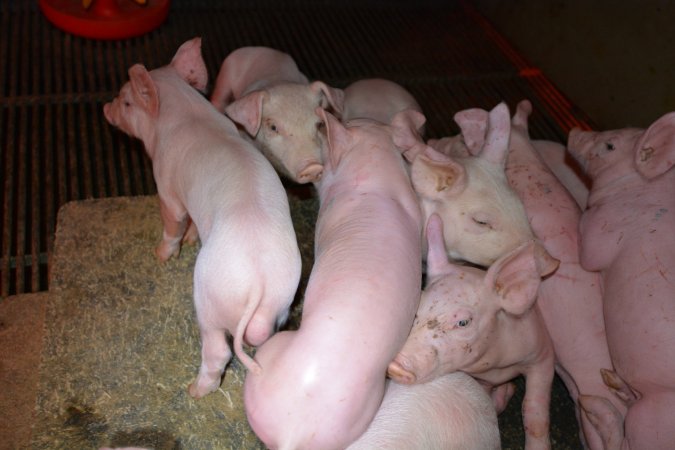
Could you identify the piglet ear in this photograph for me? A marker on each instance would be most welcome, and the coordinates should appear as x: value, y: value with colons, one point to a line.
x: 523, y: 111
x: 515, y: 277
x: 496, y: 146
x: 437, y: 258
x: 453, y: 146
x: 247, y: 111
x: 334, y: 96
x: 339, y: 139
x: 435, y: 175
x: 406, y: 126
x: 473, y: 124
x: 144, y: 89
x: 655, y: 151
x: 189, y: 64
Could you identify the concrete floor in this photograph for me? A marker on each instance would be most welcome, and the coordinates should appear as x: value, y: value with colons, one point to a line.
x: 615, y: 60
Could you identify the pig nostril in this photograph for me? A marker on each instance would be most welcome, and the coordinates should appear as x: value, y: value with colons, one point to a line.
x: 397, y: 373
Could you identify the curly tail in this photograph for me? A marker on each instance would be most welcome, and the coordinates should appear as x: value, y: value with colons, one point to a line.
x: 248, y: 362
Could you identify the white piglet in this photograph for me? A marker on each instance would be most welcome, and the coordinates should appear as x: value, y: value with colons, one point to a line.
x: 248, y: 268
x: 263, y: 90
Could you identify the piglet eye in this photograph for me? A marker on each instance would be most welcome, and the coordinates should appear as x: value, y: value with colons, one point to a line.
x: 126, y: 103
x: 482, y: 223
x: 610, y: 146
x: 273, y: 128
x: 463, y: 323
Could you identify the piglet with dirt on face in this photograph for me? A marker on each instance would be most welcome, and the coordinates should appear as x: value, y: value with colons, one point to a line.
x: 248, y: 269
x: 263, y: 90
x: 323, y: 383
x: 484, y: 324
x: 628, y: 235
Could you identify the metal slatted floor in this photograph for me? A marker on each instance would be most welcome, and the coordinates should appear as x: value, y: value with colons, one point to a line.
x: 57, y: 147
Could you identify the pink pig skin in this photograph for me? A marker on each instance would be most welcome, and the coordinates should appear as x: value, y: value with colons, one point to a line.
x: 627, y: 233
x: 483, y: 323
x: 378, y: 99
x: 482, y: 217
x: 248, y: 268
x: 570, y: 300
x: 565, y: 168
x: 452, y: 412
x: 262, y: 90
x: 247, y: 69
x: 322, y: 384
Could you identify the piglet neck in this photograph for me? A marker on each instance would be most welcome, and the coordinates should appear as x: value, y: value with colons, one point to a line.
x: 608, y: 186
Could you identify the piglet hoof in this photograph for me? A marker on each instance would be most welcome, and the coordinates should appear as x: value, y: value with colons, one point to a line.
x: 164, y: 252
x: 619, y: 387
x: 397, y: 373
x: 198, y: 392
x: 605, y: 418
x: 191, y: 236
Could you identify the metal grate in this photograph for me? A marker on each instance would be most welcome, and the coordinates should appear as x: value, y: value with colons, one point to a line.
x: 56, y: 146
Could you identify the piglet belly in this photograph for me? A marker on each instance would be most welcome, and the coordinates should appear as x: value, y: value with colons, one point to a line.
x: 639, y: 305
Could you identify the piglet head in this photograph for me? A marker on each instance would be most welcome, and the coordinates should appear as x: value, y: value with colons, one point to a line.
x: 465, y: 183
x: 464, y: 311
x: 136, y: 106
x: 605, y: 156
x: 281, y: 118
x: 608, y: 155
x: 483, y: 218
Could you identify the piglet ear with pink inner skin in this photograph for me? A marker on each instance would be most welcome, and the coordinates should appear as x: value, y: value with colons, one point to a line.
x: 436, y: 176
x: 188, y: 62
x: 247, y: 111
x: 144, y: 89
x: 516, y: 276
x: 334, y: 96
x: 473, y: 124
x: 340, y: 140
x: 655, y: 150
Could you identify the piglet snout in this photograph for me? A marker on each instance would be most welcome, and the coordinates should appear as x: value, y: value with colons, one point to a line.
x: 107, y: 112
x: 310, y: 173
x: 398, y: 373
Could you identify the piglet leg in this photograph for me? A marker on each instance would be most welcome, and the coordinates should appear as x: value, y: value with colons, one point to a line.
x: 174, y: 224
x: 536, y: 408
x: 216, y: 354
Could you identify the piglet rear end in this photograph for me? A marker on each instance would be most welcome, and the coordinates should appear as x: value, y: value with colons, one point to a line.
x: 248, y: 268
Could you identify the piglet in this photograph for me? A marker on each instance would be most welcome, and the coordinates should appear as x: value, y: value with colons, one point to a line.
x: 248, y: 268
x: 628, y: 235
x: 484, y: 324
x: 482, y: 217
x: 451, y: 412
x: 378, y: 99
x: 570, y: 300
x: 263, y: 90
x: 323, y: 383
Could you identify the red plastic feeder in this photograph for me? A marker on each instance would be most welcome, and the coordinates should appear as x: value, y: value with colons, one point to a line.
x: 106, y: 19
